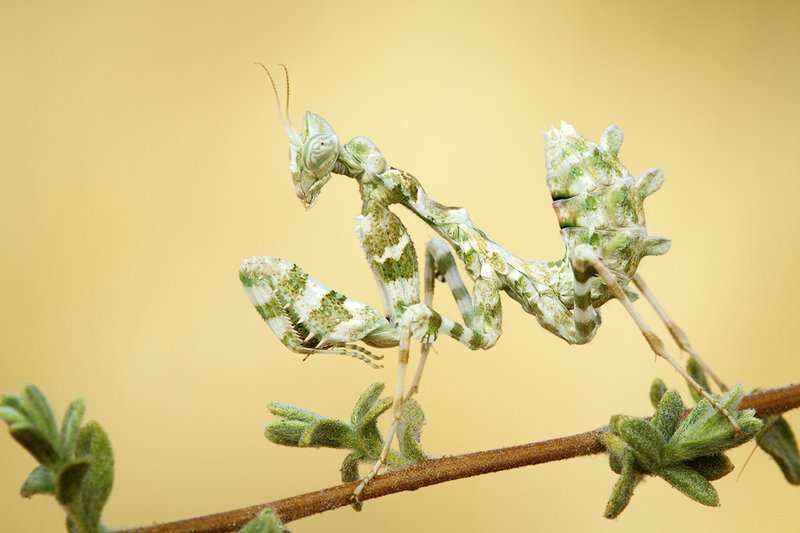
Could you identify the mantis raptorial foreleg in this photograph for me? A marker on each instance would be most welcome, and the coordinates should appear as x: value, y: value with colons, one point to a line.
x: 308, y: 317
x: 677, y: 333
x: 585, y: 260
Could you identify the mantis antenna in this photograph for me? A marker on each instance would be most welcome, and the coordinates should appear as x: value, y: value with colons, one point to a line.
x: 286, y: 76
x: 282, y: 114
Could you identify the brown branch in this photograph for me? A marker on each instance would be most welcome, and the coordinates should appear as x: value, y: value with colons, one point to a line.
x: 436, y: 471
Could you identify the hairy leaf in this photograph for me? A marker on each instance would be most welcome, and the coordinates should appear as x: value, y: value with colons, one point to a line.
x: 622, y: 491
x: 290, y: 412
x: 690, y: 482
x: 657, y: 389
x: 93, y: 445
x: 365, y: 402
x: 329, y: 433
x: 40, y: 481
x: 68, y: 482
x: 285, y: 432
x: 779, y: 442
x: 669, y: 412
x: 698, y: 374
x: 645, y: 441
x: 70, y: 426
x: 409, y: 429
x: 712, y: 467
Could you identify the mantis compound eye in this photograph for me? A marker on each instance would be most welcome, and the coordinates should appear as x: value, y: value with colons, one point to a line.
x: 319, y: 153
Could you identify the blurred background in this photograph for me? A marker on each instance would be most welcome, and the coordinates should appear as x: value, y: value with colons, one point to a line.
x: 142, y: 159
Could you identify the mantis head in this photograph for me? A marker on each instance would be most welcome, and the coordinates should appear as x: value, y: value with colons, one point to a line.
x: 311, y: 157
x: 312, y: 151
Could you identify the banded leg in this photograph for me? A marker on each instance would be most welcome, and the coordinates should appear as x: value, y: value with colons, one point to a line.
x: 677, y: 333
x: 586, y: 260
x: 421, y: 321
x: 481, y: 312
x: 390, y: 253
x: 584, y: 316
x: 429, y: 281
x: 439, y: 263
x: 433, y: 268
x: 308, y: 317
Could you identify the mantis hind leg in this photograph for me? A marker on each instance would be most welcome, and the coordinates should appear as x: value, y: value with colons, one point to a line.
x: 308, y: 317
x: 588, y: 262
x: 677, y: 333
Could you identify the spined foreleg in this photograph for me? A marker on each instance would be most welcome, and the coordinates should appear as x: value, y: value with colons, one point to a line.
x: 308, y: 317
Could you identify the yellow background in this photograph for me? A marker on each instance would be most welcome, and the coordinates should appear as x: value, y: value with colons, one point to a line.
x: 142, y: 159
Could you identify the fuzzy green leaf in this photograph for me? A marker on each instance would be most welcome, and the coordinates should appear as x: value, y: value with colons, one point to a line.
x: 265, y: 522
x: 691, y: 483
x: 669, y: 412
x: 646, y: 442
x: 623, y: 489
x: 657, y: 389
x: 617, y: 450
x: 39, y: 412
x: 329, y: 433
x: 69, y: 480
x: 349, y: 468
x: 40, y: 481
x: 712, y: 467
x: 350, y: 473
x: 367, y: 433
x: 372, y: 414
x: 92, y: 444
x: 365, y: 402
x: 706, y: 431
x: 779, y: 442
x: 36, y: 442
x: 70, y: 426
x: 285, y: 432
x: 12, y: 415
x: 409, y: 429
x: 698, y: 374
x: 290, y: 412
x: 12, y: 401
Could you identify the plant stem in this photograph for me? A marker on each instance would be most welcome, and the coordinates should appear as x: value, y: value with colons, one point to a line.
x: 434, y: 471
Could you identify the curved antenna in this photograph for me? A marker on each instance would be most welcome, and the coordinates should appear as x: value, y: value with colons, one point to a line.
x: 287, y: 124
x: 286, y: 76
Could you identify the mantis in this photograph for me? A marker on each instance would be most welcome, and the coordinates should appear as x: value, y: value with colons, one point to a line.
x: 599, y: 207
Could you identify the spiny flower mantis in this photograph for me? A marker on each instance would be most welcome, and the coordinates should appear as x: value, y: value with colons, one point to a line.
x: 600, y: 212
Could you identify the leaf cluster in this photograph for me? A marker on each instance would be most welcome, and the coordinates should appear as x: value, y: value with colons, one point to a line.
x: 687, y: 452
x: 303, y: 428
x: 775, y: 438
x: 76, y: 464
